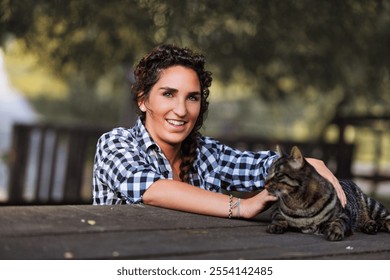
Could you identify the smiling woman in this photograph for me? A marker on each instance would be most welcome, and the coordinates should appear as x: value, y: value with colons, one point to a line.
x: 164, y: 160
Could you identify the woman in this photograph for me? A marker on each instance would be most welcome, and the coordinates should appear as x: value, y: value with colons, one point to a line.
x: 164, y: 161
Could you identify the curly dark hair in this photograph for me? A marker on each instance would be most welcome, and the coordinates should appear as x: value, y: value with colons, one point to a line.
x: 147, y: 73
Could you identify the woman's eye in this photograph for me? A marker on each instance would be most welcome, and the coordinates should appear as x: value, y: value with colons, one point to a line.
x: 193, y: 97
x: 167, y: 94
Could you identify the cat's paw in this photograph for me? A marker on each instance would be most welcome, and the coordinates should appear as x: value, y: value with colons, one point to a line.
x: 384, y: 224
x: 371, y: 227
x: 335, y: 233
x: 275, y: 228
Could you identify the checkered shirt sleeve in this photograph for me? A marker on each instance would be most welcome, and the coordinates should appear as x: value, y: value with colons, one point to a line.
x: 220, y: 166
x: 122, y: 171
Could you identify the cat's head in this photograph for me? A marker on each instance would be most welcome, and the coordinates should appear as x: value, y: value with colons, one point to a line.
x: 285, y: 174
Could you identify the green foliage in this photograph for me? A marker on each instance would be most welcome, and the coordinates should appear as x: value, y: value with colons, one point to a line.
x: 79, y: 36
x: 299, y: 49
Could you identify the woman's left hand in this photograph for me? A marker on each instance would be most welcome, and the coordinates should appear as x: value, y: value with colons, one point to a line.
x: 327, y: 174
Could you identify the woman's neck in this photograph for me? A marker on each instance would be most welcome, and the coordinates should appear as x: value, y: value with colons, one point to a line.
x: 173, y: 155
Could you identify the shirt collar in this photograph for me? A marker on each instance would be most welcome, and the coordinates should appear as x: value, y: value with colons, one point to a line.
x: 143, y: 136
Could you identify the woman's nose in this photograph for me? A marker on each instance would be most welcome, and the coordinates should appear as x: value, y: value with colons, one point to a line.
x: 180, y: 108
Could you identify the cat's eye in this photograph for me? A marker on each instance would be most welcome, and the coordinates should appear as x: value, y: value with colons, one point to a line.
x: 279, y: 175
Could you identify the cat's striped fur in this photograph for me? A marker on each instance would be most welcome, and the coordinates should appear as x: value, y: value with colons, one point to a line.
x: 309, y: 202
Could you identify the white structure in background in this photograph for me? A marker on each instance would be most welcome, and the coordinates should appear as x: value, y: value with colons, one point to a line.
x: 13, y: 108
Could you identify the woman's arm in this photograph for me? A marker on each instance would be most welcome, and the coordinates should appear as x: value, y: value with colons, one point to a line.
x: 327, y: 174
x: 181, y: 196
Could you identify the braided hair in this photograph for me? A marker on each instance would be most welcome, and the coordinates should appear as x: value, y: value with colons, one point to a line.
x: 147, y: 73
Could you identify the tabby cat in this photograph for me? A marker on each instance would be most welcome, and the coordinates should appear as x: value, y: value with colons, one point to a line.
x: 309, y: 202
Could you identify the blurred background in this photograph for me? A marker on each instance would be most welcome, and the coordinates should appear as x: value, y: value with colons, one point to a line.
x: 312, y: 73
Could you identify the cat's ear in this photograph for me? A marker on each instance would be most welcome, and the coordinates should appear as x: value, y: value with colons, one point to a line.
x: 297, y: 158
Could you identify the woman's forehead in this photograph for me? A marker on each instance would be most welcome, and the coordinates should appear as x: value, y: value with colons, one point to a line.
x: 179, y: 76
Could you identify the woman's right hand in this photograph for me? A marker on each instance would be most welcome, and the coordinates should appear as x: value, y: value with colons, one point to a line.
x: 253, y: 206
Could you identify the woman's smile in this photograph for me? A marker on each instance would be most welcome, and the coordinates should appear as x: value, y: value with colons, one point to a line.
x: 176, y: 123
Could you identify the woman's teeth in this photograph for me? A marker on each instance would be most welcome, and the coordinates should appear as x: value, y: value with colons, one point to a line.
x: 173, y: 122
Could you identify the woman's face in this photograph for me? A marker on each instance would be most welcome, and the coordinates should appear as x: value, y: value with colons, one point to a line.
x: 173, y: 106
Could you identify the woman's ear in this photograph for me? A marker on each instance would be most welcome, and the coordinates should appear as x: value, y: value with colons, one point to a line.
x: 142, y: 107
x: 141, y: 104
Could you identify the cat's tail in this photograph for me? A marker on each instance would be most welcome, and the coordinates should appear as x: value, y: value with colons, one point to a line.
x: 375, y: 209
x: 379, y: 213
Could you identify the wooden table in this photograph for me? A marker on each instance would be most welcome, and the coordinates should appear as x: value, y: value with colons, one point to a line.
x: 145, y: 232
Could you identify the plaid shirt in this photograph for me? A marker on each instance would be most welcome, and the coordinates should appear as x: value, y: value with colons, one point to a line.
x: 128, y: 161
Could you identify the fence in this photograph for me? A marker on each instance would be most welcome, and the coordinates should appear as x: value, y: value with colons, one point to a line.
x: 378, y: 127
x: 49, y: 163
x: 52, y: 164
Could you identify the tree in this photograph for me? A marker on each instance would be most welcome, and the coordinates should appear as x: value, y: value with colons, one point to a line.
x: 287, y: 49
